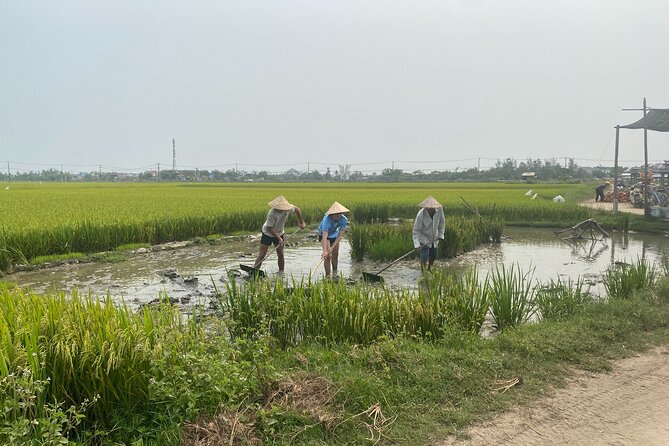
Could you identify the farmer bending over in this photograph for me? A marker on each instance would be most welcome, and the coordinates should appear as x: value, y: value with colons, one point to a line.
x: 428, y: 229
x: 330, y: 232
x: 272, y: 230
x: 599, y: 192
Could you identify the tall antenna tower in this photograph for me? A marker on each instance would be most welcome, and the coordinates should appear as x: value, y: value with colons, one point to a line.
x: 174, y: 155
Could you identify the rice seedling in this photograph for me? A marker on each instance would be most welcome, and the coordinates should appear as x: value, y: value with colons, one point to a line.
x: 511, y: 296
x: 621, y: 281
x: 560, y: 299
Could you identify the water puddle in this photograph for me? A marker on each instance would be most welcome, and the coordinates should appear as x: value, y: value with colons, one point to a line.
x: 191, y: 275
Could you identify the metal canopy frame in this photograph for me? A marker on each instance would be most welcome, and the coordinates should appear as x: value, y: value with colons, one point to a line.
x: 646, y: 207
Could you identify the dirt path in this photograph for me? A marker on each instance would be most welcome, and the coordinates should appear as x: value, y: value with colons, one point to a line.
x: 628, y: 406
x: 622, y: 207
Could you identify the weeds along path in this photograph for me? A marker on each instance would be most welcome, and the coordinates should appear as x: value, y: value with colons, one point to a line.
x: 627, y: 406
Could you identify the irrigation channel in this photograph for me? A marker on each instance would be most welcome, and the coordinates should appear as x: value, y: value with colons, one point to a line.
x: 190, y: 273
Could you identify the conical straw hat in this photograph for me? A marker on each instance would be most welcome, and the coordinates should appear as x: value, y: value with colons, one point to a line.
x: 281, y: 204
x: 430, y: 202
x: 336, y: 208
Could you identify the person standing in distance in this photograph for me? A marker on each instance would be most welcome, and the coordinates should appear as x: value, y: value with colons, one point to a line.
x: 330, y: 232
x: 428, y: 229
x: 272, y: 229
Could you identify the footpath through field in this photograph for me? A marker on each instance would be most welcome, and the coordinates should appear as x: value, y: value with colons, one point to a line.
x: 622, y: 207
x: 627, y: 406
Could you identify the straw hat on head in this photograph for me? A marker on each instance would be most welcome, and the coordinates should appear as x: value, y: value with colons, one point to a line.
x: 430, y: 202
x: 336, y: 208
x: 281, y: 204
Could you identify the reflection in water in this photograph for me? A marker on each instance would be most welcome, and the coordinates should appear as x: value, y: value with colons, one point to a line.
x: 202, y: 269
x: 551, y: 257
x: 587, y: 250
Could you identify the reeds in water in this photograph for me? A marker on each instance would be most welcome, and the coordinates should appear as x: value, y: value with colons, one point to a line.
x: 621, y: 281
x: 511, y: 296
x: 561, y: 298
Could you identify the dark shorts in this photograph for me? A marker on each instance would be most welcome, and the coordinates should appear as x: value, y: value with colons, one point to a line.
x: 331, y: 240
x: 427, y: 253
x: 269, y: 240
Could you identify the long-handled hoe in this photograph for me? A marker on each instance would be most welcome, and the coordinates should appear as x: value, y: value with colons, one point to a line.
x: 258, y: 273
x: 369, y: 277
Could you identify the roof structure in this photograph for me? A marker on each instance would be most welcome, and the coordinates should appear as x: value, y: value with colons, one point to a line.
x: 656, y: 119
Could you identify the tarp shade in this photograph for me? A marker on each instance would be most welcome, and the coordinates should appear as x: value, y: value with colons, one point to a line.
x: 656, y: 119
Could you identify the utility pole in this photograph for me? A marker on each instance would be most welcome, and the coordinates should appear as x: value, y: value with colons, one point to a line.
x: 478, y: 164
x: 9, y: 173
x: 174, y: 155
x: 158, y: 171
x: 100, y: 172
x: 62, y: 175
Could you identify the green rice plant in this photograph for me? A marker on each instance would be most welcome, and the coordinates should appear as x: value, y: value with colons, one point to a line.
x: 391, y: 247
x: 325, y: 312
x: 622, y: 281
x: 87, y: 349
x: 358, y: 239
x: 560, y: 299
x: 463, y: 300
x: 449, y: 247
x: 511, y: 296
x: 90, y: 353
x: 490, y: 229
x: 45, y: 219
x: 388, y: 242
x: 664, y: 265
x: 371, y: 213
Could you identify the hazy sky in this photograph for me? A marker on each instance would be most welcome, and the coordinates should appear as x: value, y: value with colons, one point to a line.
x: 271, y: 85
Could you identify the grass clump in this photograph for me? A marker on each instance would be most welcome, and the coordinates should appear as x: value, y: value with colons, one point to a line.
x: 132, y: 246
x: 622, y: 281
x: 511, y: 296
x: 57, y: 258
x: 560, y: 299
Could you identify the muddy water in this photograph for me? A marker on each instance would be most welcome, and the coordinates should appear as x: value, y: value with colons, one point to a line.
x: 190, y: 275
x: 548, y: 256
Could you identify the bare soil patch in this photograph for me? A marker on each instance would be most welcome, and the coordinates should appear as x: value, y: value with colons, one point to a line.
x: 603, y: 206
x: 627, y: 406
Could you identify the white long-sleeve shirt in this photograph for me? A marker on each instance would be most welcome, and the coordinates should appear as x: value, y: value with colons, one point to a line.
x: 428, y: 230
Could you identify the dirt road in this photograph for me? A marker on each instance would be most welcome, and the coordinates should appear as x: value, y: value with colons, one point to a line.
x: 627, y: 406
x: 622, y: 207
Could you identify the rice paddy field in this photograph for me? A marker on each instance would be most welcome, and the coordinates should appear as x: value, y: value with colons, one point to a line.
x: 299, y: 362
x: 41, y: 219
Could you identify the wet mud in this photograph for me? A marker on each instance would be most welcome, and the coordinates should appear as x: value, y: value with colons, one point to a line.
x: 191, y: 275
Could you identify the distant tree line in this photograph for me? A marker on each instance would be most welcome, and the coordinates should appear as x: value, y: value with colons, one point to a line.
x: 504, y: 170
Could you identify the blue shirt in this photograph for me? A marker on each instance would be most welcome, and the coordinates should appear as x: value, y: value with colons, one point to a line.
x: 328, y: 224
